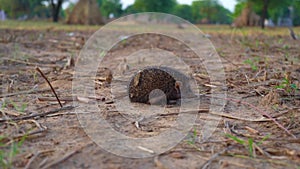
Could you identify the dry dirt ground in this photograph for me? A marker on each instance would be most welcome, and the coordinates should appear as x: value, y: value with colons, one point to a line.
x: 262, y: 75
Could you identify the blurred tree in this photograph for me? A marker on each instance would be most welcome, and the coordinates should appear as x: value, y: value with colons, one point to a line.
x: 281, y: 12
x: 109, y: 7
x: 13, y: 8
x: 241, y: 4
x: 210, y: 11
x: 266, y: 5
x: 184, y: 11
x: 222, y: 16
x: 166, y: 6
x: 296, y: 12
x: 265, y: 8
x: 99, y: 2
x: 68, y: 10
x: 197, y: 16
x: 56, y: 7
x: 130, y: 10
x: 247, y: 17
x: 18, y: 8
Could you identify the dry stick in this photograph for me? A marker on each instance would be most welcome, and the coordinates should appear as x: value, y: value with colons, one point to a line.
x: 31, y: 64
x: 62, y: 159
x: 39, y: 70
x: 35, y: 156
x: 258, y: 110
x: 65, y: 157
x: 37, y: 114
x: 207, y: 163
x: 53, y: 99
x: 31, y: 160
x: 31, y: 91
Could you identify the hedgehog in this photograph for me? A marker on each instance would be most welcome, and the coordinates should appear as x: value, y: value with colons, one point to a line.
x: 158, y: 85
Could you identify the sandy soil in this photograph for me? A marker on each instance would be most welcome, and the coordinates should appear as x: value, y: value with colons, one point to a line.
x: 262, y: 75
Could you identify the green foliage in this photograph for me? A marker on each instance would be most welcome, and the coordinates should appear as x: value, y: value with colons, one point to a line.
x: 296, y: 13
x: 111, y: 7
x: 18, y: 8
x: 192, y: 138
x: 8, y: 152
x: 21, y: 108
x: 183, y: 11
x: 281, y: 10
x: 196, y: 11
x: 222, y: 16
x: 165, y: 6
x: 210, y: 11
x: 253, y: 62
x: 274, y: 9
x: 239, y: 8
x: 130, y: 10
x: 250, y: 147
x: 264, y: 139
x: 287, y: 85
x: 249, y: 143
x: 69, y: 10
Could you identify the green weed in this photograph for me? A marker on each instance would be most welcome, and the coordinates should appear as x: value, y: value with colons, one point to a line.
x: 16, y: 51
x: 4, y: 104
x: 257, y: 43
x: 287, y: 85
x: 8, y: 152
x: 253, y: 62
x: 249, y: 143
x: 34, y: 75
x: 20, y: 109
x: 193, y: 138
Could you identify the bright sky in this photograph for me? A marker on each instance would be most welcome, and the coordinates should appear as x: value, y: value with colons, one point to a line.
x: 229, y: 4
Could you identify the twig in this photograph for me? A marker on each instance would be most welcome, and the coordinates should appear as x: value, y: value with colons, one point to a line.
x: 37, y: 114
x: 24, y: 92
x: 158, y: 163
x: 62, y: 159
x: 31, y: 64
x: 68, y: 155
x: 239, y: 118
x: 35, y: 156
x: 54, y: 99
x: 31, y: 160
x: 292, y: 33
x: 39, y: 70
x: 74, y: 98
x: 207, y: 163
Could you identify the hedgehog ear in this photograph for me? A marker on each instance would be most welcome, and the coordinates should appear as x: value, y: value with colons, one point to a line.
x: 178, y: 84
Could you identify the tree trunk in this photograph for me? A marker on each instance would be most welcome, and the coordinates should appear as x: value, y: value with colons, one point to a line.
x: 55, y: 15
x: 56, y: 9
x: 264, y: 13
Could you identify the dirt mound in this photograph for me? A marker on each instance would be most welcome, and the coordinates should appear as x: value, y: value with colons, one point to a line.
x: 247, y: 18
x: 86, y: 12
